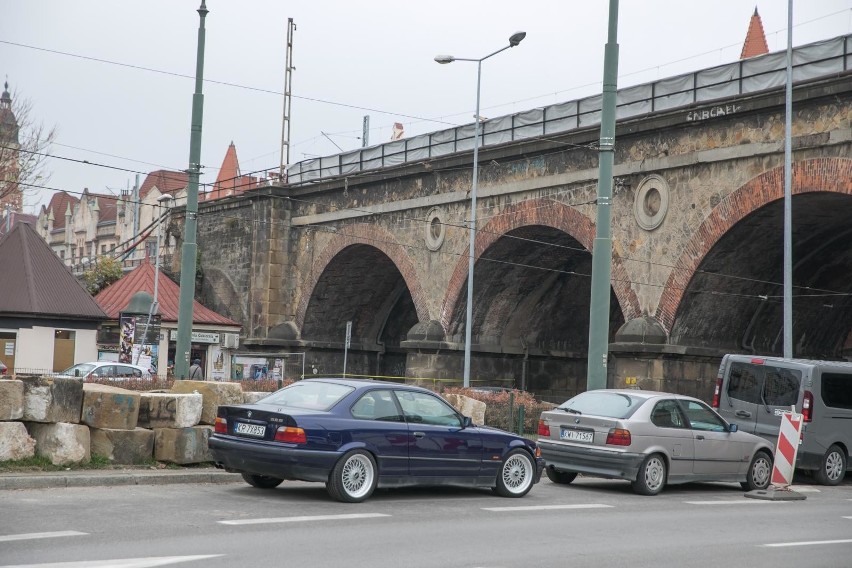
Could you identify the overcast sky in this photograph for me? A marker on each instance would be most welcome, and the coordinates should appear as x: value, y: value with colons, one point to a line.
x: 115, y: 76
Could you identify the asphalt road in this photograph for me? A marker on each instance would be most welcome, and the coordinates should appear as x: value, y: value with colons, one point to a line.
x: 589, y: 523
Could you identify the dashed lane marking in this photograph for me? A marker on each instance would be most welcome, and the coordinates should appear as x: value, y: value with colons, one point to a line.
x: 150, y: 562
x: 32, y: 536
x: 733, y: 502
x: 301, y: 519
x: 547, y: 507
x: 807, y: 543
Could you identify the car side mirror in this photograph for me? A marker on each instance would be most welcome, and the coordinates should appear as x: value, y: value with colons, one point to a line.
x: 466, y: 422
x: 733, y: 427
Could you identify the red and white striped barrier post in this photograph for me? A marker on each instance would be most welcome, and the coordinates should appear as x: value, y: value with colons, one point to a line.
x: 786, y: 449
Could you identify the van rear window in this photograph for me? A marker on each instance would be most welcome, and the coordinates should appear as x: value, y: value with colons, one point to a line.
x: 837, y: 390
x: 781, y: 386
x: 744, y: 383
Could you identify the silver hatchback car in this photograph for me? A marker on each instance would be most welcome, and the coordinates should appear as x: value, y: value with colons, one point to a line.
x: 651, y: 439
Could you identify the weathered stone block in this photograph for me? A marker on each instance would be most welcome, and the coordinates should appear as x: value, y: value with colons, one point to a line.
x: 62, y: 443
x: 182, y: 445
x: 15, y: 442
x: 11, y: 399
x: 123, y: 446
x: 52, y: 399
x: 214, y: 395
x: 253, y: 396
x: 105, y: 406
x: 468, y: 406
x: 169, y: 410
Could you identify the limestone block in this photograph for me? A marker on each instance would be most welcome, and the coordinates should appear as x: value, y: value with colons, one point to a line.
x: 214, y: 394
x: 105, y: 406
x: 182, y: 445
x: 62, y: 443
x: 123, y: 446
x: 169, y: 410
x: 15, y: 442
x: 52, y: 399
x: 468, y: 406
x: 253, y: 396
x: 11, y: 399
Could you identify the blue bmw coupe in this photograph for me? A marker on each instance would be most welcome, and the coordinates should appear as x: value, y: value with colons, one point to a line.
x: 356, y: 435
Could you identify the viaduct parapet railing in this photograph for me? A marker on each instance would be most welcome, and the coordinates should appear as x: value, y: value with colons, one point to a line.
x: 810, y: 61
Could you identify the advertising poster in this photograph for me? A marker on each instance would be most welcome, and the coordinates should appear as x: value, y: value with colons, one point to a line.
x: 218, y: 372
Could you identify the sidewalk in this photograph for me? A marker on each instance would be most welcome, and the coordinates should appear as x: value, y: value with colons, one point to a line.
x: 95, y: 478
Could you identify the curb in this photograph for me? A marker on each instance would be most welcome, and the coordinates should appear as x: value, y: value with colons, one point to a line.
x: 105, y: 479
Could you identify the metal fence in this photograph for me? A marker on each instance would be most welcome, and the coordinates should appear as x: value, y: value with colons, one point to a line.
x: 810, y: 61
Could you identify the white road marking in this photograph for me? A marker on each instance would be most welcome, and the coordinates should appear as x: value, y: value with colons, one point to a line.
x: 848, y: 517
x: 547, y: 507
x: 31, y: 536
x: 808, y: 543
x: 733, y: 502
x: 149, y: 562
x: 301, y: 519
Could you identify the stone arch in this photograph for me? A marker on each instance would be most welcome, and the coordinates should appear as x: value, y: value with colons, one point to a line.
x: 548, y: 213
x: 832, y: 175
x: 380, y: 239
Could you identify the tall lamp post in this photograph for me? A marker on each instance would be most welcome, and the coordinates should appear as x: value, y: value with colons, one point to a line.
x: 514, y: 40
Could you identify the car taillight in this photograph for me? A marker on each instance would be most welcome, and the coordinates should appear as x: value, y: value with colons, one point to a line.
x: 757, y: 361
x: 807, y: 406
x: 543, y: 428
x: 220, y: 426
x: 618, y: 437
x: 717, y: 393
x: 290, y: 435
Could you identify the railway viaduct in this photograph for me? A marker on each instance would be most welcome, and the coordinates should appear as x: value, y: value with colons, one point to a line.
x: 378, y: 237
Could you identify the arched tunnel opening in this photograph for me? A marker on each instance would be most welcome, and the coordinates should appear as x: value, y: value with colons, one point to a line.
x: 531, y: 295
x: 362, y: 285
x: 734, y: 302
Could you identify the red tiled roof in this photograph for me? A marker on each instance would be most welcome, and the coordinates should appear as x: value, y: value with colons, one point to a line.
x: 59, y: 204
x: 166, y: 181
x: 115, y: 297
x: 755, y: 41
x: 35, y: 283
x: 107, y: 203
x: 229, y: 181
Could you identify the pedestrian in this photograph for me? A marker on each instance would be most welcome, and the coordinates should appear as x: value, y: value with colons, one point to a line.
x: 195, y: 370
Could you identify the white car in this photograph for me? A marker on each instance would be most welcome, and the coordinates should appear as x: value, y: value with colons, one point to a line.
x: 107, y: 370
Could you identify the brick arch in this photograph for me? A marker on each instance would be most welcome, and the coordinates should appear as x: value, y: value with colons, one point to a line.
x: 547, y: 213
x: 378, y: 238
x: 832, y: 175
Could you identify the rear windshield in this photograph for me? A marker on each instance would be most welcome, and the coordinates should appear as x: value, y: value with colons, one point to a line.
x: 837, y: 390
x: 309, y: 395
x: 599, y: 403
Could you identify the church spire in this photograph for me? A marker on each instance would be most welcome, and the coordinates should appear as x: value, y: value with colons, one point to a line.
x: 755, y: 41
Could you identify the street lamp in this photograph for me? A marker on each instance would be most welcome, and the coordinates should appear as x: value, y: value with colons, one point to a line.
x: 514, y: 40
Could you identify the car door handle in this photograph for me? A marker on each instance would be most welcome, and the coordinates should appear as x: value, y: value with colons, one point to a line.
x: 699, y: 437
x: 419, y: 434
x: 743, y: 414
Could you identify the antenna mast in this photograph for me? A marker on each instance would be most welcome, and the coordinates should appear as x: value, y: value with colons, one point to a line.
x: 285, y: 125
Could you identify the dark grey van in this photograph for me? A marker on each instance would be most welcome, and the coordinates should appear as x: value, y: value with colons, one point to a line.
x: 753, y: 391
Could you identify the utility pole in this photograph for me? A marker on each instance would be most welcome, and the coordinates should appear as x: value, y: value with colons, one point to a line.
x: 189, y: 250
x: 788, y: 192
x: 365, y: 131
x: 288, y: 87
x: 602, y: 251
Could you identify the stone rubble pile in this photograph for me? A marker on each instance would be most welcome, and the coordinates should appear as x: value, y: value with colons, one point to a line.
x: 67, y: 420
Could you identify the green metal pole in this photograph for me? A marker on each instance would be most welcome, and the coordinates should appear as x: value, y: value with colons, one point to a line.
x: 189, y: 250
x: 602, y: 251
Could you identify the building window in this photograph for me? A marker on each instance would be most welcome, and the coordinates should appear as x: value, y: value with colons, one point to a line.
x: 62, y: 254
x: 103, y: 249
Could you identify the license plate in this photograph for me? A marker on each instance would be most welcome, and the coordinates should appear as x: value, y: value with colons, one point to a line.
x: 577, y: 436
x: 250, y: 429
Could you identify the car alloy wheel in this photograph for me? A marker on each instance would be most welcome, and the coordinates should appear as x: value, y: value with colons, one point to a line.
x: 516, y: 474
x: 833, y: 467
x: 353, y: 478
